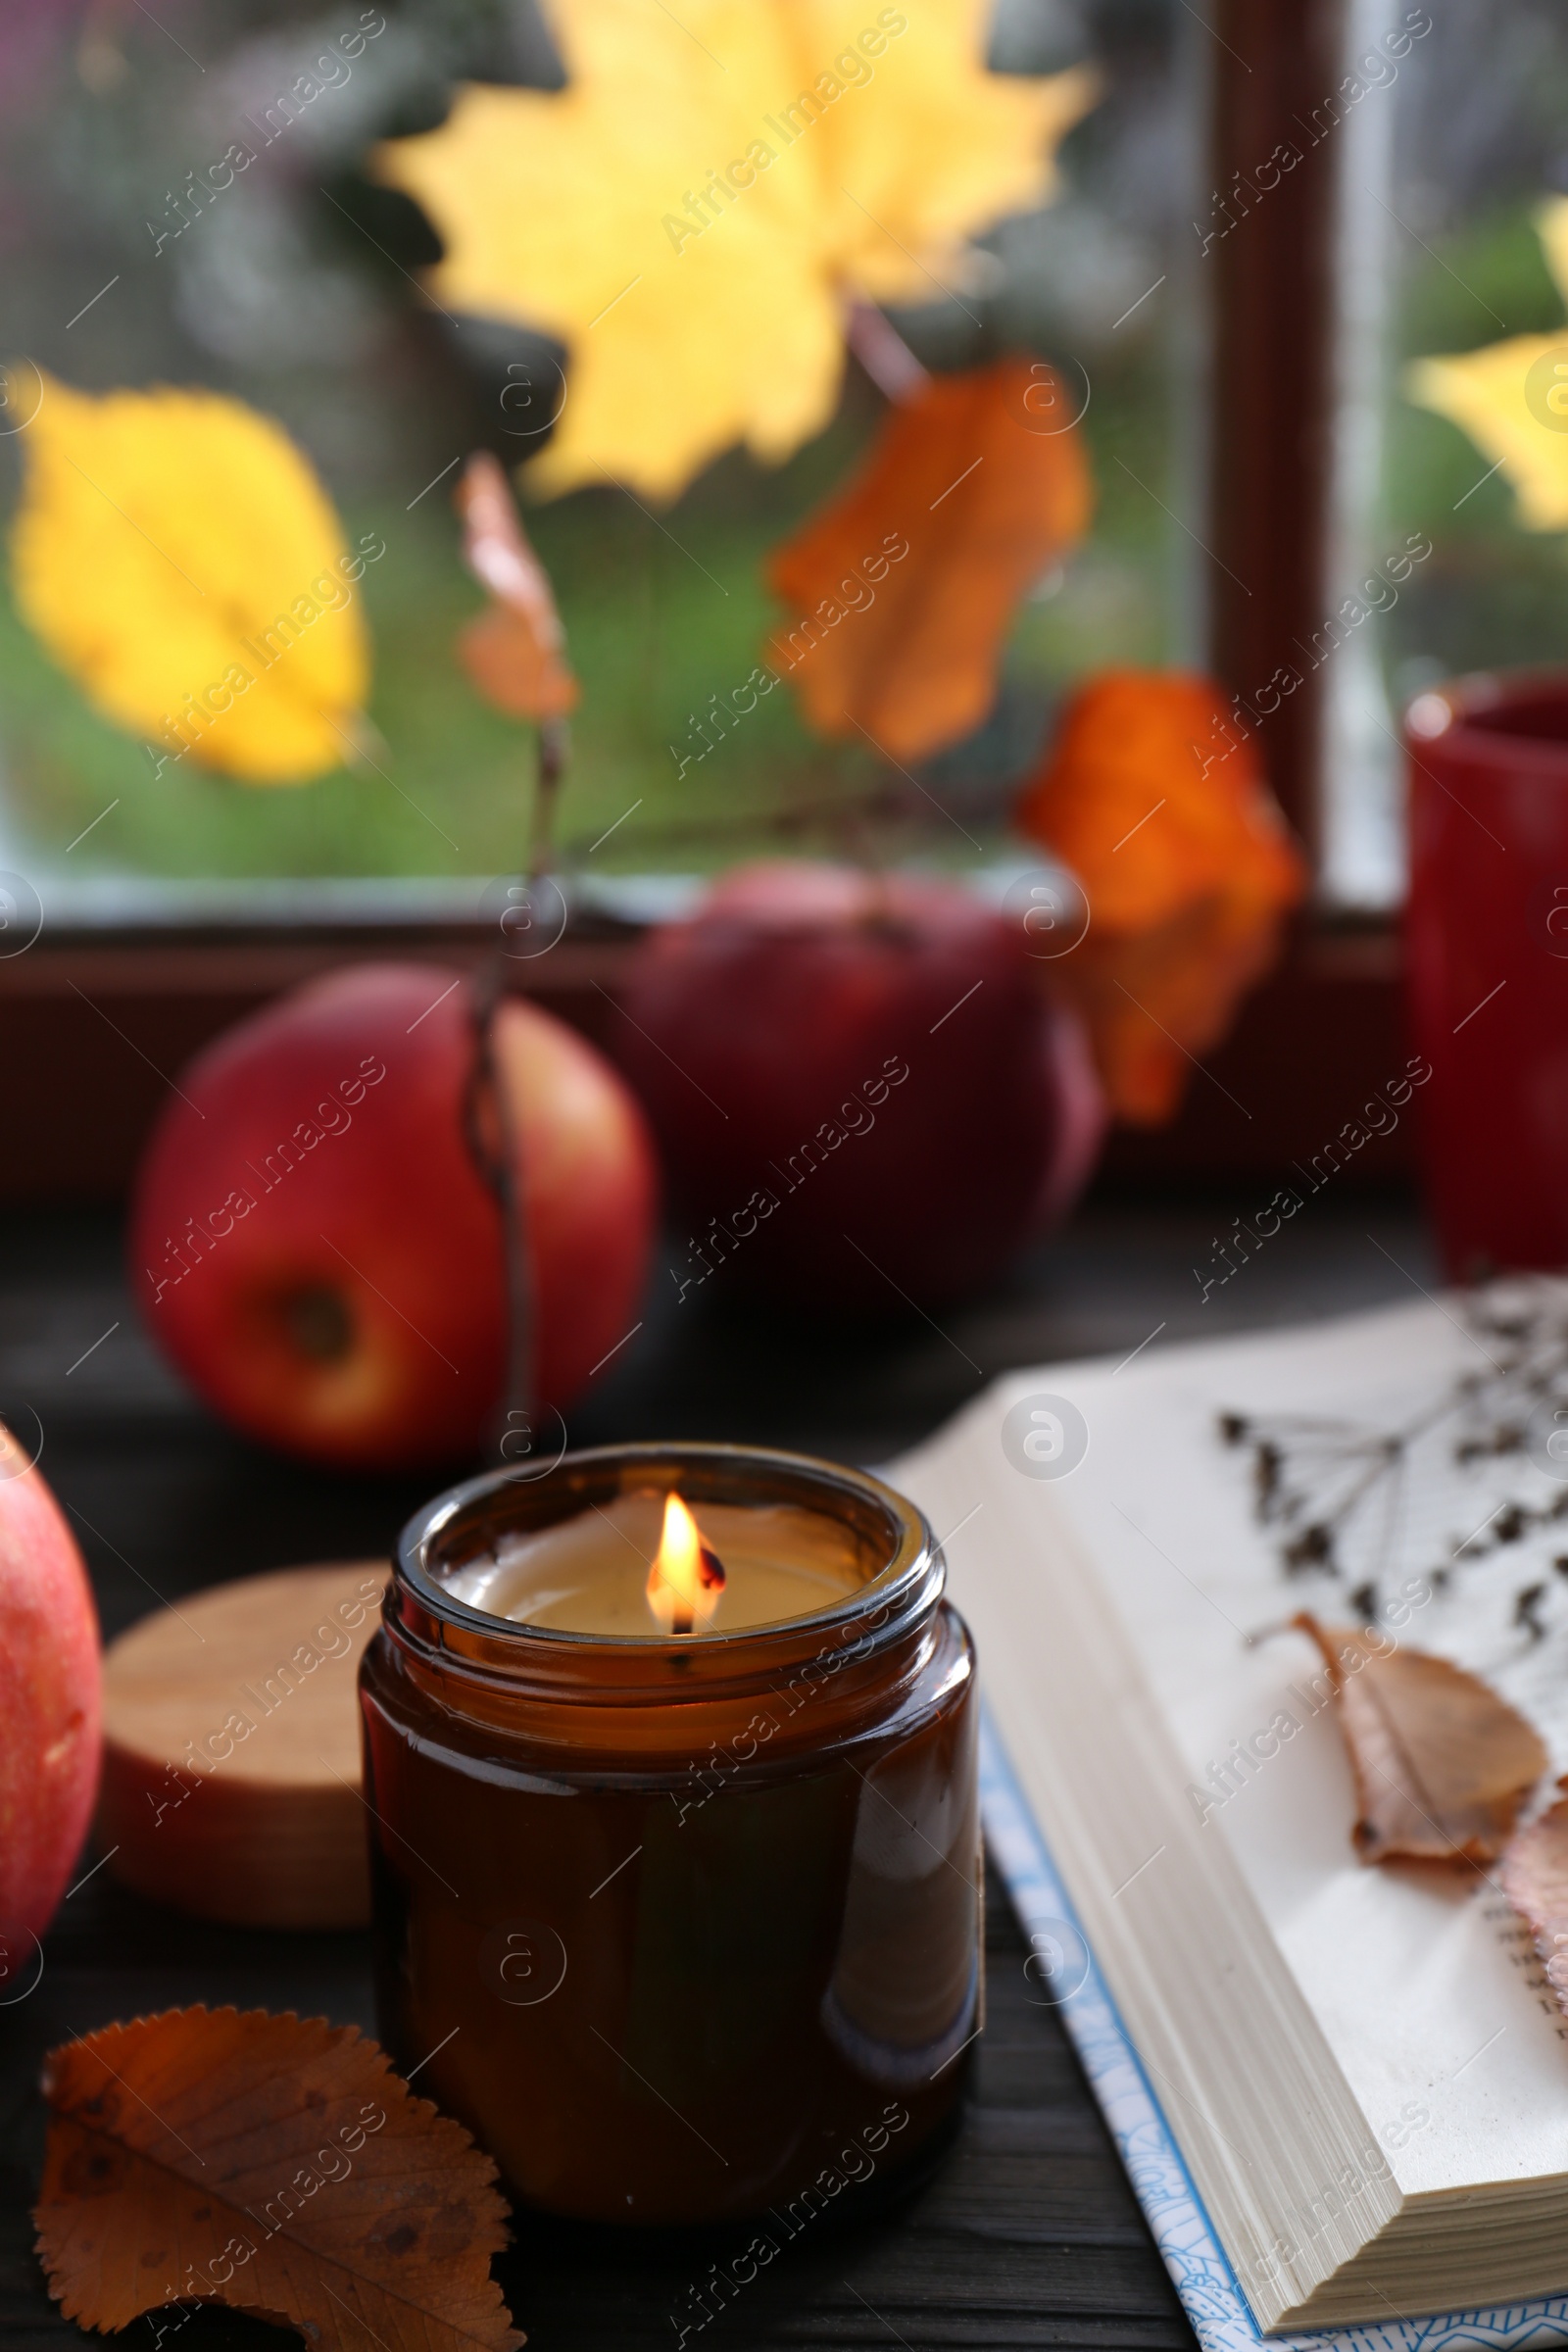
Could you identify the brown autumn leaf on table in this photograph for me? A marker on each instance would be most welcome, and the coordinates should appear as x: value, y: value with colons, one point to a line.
x: 271, y: 2163
x: 1534, y: 1879
x: 1442, y: 1763
x: 901, y: 588
x: 514, y: 650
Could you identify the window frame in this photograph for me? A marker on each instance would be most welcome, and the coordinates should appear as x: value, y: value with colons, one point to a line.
x: 119, y: 1006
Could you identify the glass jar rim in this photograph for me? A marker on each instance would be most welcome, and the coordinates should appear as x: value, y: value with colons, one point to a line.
x: 894, y: 1601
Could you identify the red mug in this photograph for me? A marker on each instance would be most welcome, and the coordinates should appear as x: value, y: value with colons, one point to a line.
x: 1486, y: 965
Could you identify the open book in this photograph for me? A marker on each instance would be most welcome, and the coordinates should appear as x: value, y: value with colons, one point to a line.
x: 1363, y: 2068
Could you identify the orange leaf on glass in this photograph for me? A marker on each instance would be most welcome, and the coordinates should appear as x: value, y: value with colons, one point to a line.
x: 903, y: 587
x: 1152, y: 793
x: 1442, y: 1763
x: 514, y: 651
x: 1534, y: 1879
x: 271, y: 2163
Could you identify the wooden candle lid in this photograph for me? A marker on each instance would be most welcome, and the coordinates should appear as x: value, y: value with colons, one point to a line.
x: 231, y: 1749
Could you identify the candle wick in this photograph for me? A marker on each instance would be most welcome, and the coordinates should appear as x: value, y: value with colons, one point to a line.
x: 681, y: 1622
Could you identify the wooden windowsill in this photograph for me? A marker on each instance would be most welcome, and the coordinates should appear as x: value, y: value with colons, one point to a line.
x: 93, y: 1029
x: 1312, y: 1043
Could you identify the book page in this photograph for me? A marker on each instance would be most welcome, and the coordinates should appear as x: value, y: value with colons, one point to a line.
x: 1410, y: 1491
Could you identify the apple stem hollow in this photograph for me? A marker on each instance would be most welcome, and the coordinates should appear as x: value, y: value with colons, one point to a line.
x: 320, y: 1322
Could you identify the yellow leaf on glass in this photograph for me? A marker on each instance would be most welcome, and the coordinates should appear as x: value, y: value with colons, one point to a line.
x: 177, y: 554
x: 690, y: 215
x: 1512, y: 397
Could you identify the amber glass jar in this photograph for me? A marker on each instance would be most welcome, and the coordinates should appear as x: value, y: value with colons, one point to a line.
x: 675, y: 1925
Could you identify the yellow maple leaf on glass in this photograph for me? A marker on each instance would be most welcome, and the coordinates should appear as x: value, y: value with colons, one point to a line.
x: 1512, y: 397
x: 692, y: 213
x: 177, y: 554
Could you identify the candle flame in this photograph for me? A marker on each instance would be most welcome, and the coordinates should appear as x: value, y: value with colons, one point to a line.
x: 686, y: 1579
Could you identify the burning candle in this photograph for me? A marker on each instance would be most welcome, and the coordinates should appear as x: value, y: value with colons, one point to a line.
x: 671, y: 1758
x: 685, y: 1578
x: 643, y: 1564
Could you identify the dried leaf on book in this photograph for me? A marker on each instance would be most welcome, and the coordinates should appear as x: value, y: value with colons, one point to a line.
x: 1442, y: 1763
x: 271, y: 2163
x: 1534, y: 1879
x: 901, y: 588
x: 514, y: 651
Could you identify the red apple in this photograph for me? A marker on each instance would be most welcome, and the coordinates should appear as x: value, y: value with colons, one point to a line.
x: 315, y: 1250
x: 49, y: 1710
x: 859, y: 1086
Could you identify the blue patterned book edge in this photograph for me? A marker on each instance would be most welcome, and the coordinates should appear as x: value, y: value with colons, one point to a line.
x: 1192, y: 2253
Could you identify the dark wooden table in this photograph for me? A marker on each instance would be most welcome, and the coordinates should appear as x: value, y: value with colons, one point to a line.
x: 1029, y: 2235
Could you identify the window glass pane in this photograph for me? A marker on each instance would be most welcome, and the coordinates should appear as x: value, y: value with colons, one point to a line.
x: 1445, y: 173
x: 189, y: 200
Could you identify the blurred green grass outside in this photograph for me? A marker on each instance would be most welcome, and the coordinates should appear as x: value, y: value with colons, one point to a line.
x: 662, y: 613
